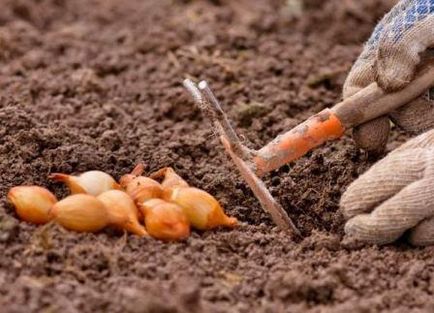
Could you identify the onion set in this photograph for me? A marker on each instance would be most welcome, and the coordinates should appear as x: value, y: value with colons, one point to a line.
x: 162, y: 205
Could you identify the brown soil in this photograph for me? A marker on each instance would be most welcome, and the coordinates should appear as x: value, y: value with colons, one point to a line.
x: 96, y: 85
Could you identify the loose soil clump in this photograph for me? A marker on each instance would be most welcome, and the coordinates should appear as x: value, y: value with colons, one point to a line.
x: 97, y: 85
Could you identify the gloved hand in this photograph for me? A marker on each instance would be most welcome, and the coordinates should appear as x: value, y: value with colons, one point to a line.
x: 390, y: 58
x: 395, y: 195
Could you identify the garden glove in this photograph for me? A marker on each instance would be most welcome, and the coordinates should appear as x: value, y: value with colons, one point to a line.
x: 390, y: 57
x: 394, y: 196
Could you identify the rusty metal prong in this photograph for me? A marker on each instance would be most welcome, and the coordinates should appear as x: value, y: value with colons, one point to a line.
x: 201, y: 102
x: 234, y: 141
x: 239, y: 154
x: 193, y: 90
x: 268, y: 203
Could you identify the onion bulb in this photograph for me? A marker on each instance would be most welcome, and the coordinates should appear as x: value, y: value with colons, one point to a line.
x: 81, y: 212
x: 164, y: 220
x: 91, y: 182
x: 122, y: 211
x: 32, y: 203
x: 202, y: 210
x: 170, y: 178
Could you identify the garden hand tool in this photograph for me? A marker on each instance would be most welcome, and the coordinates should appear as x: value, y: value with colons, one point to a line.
x: 367, y: 104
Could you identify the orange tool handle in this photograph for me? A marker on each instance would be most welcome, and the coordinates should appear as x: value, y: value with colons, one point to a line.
x: 316, y: 130
x: 367, y: 104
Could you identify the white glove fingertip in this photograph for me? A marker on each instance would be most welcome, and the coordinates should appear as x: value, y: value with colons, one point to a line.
x: 423, y: 233
x: 363, y: 228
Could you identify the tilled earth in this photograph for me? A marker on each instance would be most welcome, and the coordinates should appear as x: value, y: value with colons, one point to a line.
x: 96, y: 84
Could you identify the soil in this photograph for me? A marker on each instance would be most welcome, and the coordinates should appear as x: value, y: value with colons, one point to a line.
x: 97, y: 85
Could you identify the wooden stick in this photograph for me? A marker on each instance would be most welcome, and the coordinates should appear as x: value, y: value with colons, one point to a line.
x: 368, y: 104
x: 372, y: 101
